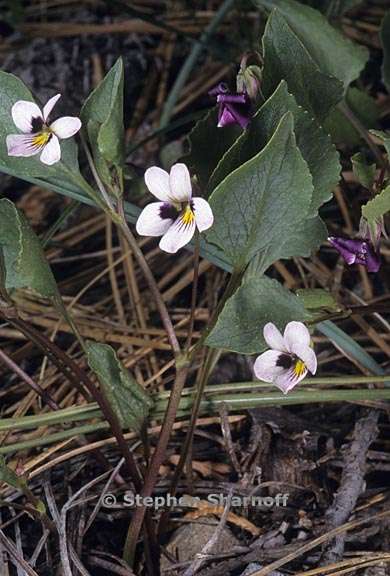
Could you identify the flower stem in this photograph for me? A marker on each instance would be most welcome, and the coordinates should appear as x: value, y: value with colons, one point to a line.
x: 157, y: 459
x: 165, y: 318
x: 363, y: 132
x: 96, y: 176
x: 211, y: 359
x: 194, y: 293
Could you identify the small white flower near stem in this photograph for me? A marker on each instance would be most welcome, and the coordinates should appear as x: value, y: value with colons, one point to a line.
x: 290, y: 358
x: 177, y: 214
x: 37, y: 134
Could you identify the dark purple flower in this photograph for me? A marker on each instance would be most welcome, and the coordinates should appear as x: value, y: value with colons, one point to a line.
x: 233, y: 108
x: 357, y: 251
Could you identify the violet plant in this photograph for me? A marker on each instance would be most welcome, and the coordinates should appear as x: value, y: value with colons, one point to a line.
x: 264, y: 167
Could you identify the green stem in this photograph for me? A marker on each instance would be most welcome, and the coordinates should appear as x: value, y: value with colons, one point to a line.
x: 54, y: 437
x: 62, y: 416
x: 78, y: 179
x: 210, y: 405
x: 194, y: 293
x: 187, y: 446
x: 141, y: 260
x: 96, y: 176
x: 233, y: 284
x: 91, y: 411
x: 211, y: 359
x: 238, y: 402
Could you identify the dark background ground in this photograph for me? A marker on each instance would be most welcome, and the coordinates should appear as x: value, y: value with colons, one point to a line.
x: 301, y: 450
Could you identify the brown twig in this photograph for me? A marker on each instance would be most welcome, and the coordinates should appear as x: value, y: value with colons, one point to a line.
x: 12, y: 551
x: 351, y: 483
x: 206, y: 550
x: 28, y: 380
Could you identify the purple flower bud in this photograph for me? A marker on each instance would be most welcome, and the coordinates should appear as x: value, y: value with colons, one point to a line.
x: 232, y: 108
x: 357, y: 251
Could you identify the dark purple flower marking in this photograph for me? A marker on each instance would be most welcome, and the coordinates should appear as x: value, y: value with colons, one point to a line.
x: 36, y: 124
x: 168, y: 212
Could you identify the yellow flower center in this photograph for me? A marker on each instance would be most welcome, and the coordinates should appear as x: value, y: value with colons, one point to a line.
x: 41, y: 139
x: 299, y: 368
x: 188, y: 216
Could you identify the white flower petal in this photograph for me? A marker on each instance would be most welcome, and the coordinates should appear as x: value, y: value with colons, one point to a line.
x: 66, y: 126
x: 23, y: 113
x: 203, y: 214
x: 21, y: 145
x: 273, y: 337
x: 296, y: 336
x: 288, y: 380
x: 157, y: 181
x: 265, y: 367
x: 150, y: 223
x: 307, y: 355
x: 180, y: 183
x: 51, y: 152
x: 48, y: 107
x: 178, y: 235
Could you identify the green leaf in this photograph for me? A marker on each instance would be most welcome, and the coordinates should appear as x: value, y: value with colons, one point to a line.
x: 11, y: 90
x: 260, y: 204
x: 317, y: 299
x: 375, y: 209
x: 259, y: 300
x: 302, y: 240
x: 385, y: 137
x: 23, y: 260
x: 130, y: 402
x: 102, y: 116
x: 334, y: 54
x: 314, y: 144
x: 365, y: 109
x: 363, y: 171
x: 286, y: 57
x: 385, y: 41
x: 10, y: 477
x: 208, y: 143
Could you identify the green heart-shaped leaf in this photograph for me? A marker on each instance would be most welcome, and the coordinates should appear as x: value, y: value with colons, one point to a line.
x: 259, y: 300
x: 128, y: 399
x: 314, y: 144
x: 334, y: 54
x: 286, y: 57
x: 102, y: 116
x: 260, y: 204
x: 23, y: 261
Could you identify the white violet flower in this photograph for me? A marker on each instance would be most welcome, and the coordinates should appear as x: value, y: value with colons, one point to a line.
x: 290, y: 358
x: 37, y: 134
x: 177, y: 214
